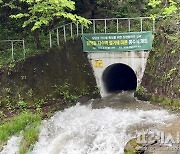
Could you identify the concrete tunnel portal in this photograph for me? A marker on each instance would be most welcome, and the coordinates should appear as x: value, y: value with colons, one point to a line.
x: 119, y: 77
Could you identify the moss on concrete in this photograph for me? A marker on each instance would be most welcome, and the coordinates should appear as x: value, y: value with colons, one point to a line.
x: 30, y: 84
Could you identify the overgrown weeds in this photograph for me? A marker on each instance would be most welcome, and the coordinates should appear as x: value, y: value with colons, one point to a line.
x: 25, y: 124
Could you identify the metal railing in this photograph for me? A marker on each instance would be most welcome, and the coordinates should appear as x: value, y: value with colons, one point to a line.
x: 12, y: 43
x: 109, y: 25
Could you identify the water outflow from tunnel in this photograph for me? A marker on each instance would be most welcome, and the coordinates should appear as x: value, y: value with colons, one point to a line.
x: 102, y: 127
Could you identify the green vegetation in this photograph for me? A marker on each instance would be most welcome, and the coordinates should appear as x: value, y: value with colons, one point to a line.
x: 42, y: 12
x: 131, y: 147
x: 168, y: 76
x: 65, y: 92
x: 42, y: 84
x: 140, y: 90
x: 128, y: 8
x: 30, y: 137
x: 17, y: 124
x: 135, y: 8
x: 25, y: 124
x: 161, y: 79
x: 168, y: 103
x: 31, y: 20
x: 164, y: 7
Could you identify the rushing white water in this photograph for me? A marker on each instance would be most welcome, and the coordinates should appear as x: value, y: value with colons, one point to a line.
x: 102, y: 127
x: 12, y: 146
x: 83, y: 130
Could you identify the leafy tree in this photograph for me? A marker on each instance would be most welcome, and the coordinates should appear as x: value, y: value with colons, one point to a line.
x: 121, y: 8
x: 37, y: 14
x: 42, y: 12
x: 165, y: 7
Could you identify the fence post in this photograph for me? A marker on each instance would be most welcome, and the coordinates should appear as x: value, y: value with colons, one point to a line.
x: 77, y: 29
x: 117, y: 25
x: 105, y: 25
x: 24, y: 51
x: 12, y: 52
x: 154, y: 25
x: 141, y: 23
x: 64, y: 27
x: 94, y: 26
x: 50, y: 40
x: 71, y: 30
x: 57, y: 31
x: 82, y: 29
x: 129, y: 25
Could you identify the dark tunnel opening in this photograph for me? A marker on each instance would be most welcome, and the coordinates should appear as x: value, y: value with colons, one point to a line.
x: 119, y: 77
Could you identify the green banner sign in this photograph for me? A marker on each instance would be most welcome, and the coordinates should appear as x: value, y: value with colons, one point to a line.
x: 131, y: 41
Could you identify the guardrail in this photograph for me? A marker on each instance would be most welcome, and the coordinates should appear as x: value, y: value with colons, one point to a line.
x: 12, y: 42
x: 71, y: 30
x: 113, y: 25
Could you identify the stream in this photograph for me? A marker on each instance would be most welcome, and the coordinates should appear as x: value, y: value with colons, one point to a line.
x: 101, y: 126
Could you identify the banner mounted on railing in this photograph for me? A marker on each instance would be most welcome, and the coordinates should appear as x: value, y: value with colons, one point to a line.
x: 131, y: 41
